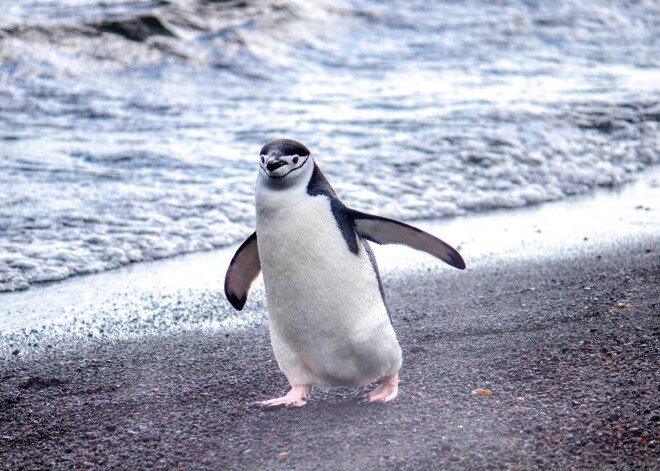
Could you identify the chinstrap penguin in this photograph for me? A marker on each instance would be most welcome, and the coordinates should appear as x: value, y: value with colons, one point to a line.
x: 328, y: 319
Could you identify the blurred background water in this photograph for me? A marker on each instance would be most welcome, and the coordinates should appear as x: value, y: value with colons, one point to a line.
x: 129, y: 130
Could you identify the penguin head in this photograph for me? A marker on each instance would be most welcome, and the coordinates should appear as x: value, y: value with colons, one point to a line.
x: 281, y: 160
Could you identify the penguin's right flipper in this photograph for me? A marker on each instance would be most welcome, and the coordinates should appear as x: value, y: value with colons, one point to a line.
x: 243, y: 270
x: 390, y: 231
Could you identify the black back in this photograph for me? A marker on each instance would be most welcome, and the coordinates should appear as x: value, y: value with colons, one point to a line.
x: 319, y: 186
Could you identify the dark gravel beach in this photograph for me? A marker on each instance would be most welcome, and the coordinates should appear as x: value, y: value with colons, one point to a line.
x: 525, y: 134
x: 568, y: 348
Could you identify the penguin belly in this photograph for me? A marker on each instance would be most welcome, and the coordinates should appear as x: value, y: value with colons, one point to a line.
x: 329, y: 325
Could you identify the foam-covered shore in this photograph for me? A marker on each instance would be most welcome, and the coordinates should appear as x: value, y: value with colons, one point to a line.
x: 130, y: 130
x: 186, y: 291
x: 564, y: 337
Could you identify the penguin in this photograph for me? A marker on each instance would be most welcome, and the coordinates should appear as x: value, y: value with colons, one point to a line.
x: 328, y: 319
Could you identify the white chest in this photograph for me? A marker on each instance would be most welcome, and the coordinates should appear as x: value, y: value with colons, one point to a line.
x: 326, y: 315
x: 305, y: 259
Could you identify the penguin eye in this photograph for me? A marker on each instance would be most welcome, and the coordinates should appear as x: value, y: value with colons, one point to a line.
x: 295, y: 160
x: 262, y: 159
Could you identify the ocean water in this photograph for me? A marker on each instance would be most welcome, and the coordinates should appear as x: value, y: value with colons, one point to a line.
x: 129, y: 130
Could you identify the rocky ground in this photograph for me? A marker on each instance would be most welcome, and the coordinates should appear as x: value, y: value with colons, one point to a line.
x: 565, y: 355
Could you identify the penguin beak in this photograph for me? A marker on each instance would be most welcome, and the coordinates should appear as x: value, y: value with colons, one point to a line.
x: 274, y: 163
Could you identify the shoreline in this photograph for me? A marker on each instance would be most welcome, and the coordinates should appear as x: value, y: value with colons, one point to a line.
x: 151, y: 370
x: 567, y: 228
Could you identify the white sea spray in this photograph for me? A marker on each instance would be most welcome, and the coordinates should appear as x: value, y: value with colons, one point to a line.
x: 130, y: 131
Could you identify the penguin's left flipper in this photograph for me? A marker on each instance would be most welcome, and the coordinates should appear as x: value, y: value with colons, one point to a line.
x: 389, y: 231
x: 243, y: 270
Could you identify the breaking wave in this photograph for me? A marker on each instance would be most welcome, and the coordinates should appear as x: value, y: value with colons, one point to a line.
x: 129, y: 130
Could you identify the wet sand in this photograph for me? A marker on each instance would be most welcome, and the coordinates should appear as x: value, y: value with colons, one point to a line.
x: 568, y: 348
x: 560, y: 324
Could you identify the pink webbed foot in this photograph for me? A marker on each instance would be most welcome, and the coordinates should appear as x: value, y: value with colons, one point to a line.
x: 386, y: 391
x: 297, y: 397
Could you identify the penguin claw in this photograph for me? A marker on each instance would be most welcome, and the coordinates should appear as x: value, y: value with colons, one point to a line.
x: 264, y: 406
x: 280, y: 403
x: 297, y: 397
x: 385, y: 392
